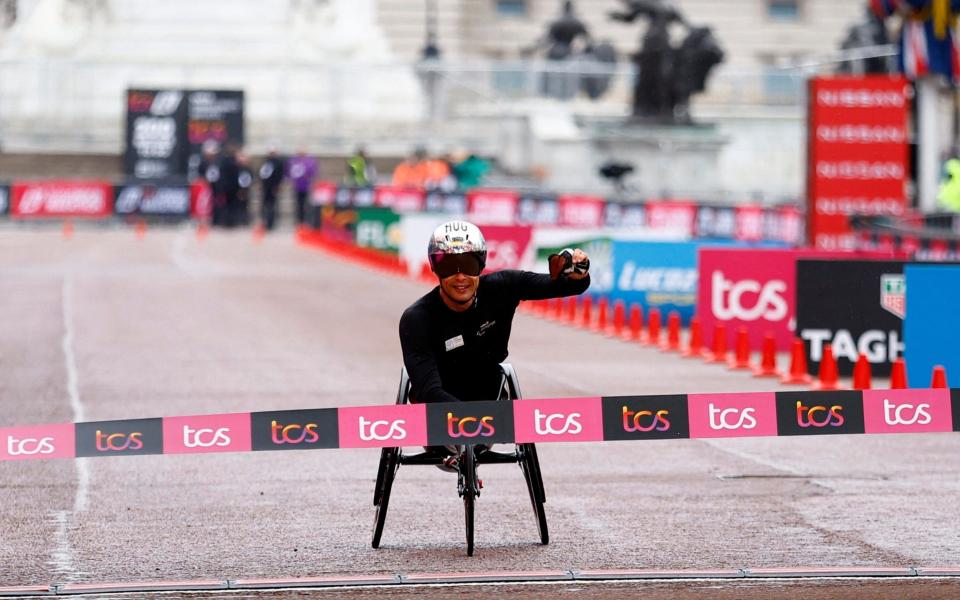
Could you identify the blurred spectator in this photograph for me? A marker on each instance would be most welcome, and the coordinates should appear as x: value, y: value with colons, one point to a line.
x: 360, y: 171
x: 301, y: 170
x: 437, y: 174
x: 208, y: 170
x: 412, y: 171
x: 949, y: 195
x: 241, y: 214
x: 271, y: 177
x: 225, y: 207
x: 469, y: 169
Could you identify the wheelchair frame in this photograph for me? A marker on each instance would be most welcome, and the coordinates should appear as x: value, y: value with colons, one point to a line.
x: 468, y: 488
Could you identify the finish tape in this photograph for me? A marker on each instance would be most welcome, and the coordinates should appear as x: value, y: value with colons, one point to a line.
x: 610, y: 418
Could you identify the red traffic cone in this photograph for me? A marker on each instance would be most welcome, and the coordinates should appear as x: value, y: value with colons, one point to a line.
x: 741, y: 355
x: 653, y: 328
x: 798, y: 365
x: 672, y: 343
x: 572, y: 310
x: 258, y: 233
x: 601, y: 324
x: 768, y: 358
x: 67, y: 230
x: 202, y: 230
x: 585, y: 317
x: 140, y: 229
x: 695, y: 345
x: 557, y: 313
x: 861, y: 373
x: 898, y: 375
x: 619, y: 316
x: 939, y: 377
x: 828, y: 378
x: 426, y: 274
x: 636, y: 323
x: 718, y: 354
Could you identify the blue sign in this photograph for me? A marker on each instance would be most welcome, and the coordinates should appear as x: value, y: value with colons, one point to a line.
x: 931, y: 328
x: 656, y: 274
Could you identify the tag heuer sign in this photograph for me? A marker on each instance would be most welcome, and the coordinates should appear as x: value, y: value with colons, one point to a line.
x: 893, y: 294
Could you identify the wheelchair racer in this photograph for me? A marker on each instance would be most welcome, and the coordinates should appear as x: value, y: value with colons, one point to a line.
x: 455, y: 337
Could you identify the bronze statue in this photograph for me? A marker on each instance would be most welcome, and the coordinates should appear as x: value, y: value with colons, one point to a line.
x: 668, y: 75
x: 568, y: 39
x: 868, y: 33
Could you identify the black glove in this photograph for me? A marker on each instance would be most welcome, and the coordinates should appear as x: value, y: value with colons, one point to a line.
x: 562, y: 264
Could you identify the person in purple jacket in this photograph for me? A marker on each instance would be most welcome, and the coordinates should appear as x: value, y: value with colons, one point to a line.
x: 301, y: 171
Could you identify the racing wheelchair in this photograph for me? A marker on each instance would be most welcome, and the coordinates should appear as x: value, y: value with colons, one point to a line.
x: 467, y: 458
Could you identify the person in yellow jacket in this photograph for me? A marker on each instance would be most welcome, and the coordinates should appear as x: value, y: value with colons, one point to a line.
x: 949, y: 196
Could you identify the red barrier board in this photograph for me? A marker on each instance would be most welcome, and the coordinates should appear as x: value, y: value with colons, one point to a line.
x: 39, y: 199
x: 492, y: 206
x: 201, y: 199
x: 672, y: 214
x: 506, y: 245
x: 749, y: 223
x: 323, y: 193
x: 858, y: 154
x: 400, y: 199
x: 580, y: 211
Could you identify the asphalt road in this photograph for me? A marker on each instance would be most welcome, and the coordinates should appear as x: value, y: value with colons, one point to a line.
x: 108, y: 326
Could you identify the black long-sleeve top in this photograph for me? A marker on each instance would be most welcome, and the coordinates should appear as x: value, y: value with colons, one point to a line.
x: 452, y: 355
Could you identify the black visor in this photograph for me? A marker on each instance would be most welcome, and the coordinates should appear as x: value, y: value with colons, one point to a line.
x: 448, y: 265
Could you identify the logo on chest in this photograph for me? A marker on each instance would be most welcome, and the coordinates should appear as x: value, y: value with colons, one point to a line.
x: 484, y: 327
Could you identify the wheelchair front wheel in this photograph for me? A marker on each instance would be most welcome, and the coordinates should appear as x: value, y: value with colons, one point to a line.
x: 530, y: 466
x: 469, y: 490
x: 389, y: 463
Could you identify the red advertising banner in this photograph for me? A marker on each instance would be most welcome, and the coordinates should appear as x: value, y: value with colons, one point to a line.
x: 323, y: 193
x: 507, y: 245
x: 39, y: 199
x: 580, y: 211
x: 749, y: 223
x: 751, y: 288
x: 494, y: 207
x: 858, y: 154
x: 201, y: 199
x: 672, y: 214
x: 400, y: 199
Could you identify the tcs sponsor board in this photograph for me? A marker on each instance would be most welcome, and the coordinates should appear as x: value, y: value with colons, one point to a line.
x: 611, y: 418
x: 858, y: 154
x: 751, y: 288
x: 756, y: 289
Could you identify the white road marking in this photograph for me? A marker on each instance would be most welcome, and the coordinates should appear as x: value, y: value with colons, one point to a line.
x: 61, y: 556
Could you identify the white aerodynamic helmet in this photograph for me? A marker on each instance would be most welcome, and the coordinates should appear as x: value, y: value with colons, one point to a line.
x: 457, y: 247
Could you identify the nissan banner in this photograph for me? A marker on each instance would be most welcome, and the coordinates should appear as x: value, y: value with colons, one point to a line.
x: 149, y: 199
x: 858, y: 154
x: 37, y: 199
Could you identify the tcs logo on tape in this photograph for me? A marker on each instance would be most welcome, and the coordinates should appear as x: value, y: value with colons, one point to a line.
x: 542, y: 421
